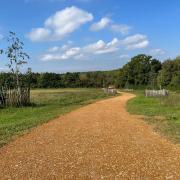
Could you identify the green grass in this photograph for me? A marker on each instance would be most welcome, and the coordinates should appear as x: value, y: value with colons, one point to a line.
x: 162, y: 112
x: 47, y: 104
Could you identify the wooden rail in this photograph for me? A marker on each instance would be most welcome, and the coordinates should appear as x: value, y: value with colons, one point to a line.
x: 156, y: 93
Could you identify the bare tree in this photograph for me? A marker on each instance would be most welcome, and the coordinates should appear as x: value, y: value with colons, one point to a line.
x: 16, y: 56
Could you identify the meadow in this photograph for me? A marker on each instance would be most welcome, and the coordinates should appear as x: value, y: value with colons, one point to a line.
x: 47, y: 104
x: 161, y: 112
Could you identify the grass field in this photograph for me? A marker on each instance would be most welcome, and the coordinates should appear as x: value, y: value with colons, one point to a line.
x: 47, y: 104
x: 162, y: 112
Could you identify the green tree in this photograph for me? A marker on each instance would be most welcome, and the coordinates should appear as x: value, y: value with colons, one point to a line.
x: 166, y: 74
x: 155, y: 68
x: 137, y: 71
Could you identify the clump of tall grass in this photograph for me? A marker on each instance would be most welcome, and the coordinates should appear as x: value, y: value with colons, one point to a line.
x: 173, y: 100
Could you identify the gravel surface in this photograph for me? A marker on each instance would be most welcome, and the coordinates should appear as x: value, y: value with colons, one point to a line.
x: 98, y: 141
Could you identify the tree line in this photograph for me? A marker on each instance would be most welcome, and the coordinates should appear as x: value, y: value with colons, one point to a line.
x: 142, y: 71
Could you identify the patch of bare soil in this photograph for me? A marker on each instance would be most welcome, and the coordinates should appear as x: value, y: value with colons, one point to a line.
x: 98, y: 141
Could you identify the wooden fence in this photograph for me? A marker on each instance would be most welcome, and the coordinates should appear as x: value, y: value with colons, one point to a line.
x: 156, y: 93
x: 14, y: 97
x: 112, y: 91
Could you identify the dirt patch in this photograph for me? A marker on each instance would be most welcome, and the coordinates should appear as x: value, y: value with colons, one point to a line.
x: 98, y: 141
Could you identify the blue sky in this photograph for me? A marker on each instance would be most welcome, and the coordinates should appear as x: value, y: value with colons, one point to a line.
x: 86, y: 35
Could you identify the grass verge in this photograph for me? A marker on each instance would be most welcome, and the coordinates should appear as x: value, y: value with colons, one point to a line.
x: 163, y: 113
x: 48, y: 104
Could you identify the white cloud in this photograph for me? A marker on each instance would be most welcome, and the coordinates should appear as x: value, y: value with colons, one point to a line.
x: 40, y: 34
x: 109, y: 24
x: 68, y: 54
x: 103, y: 23
x: 121, y: 28
x: 134, y: 39
x: 101, y: 47
x: 65, y: 52
x: 72, y: 52
x: 61, y: 24
x: 156, y: 52
x: 139, y: 45
x: 137, y: 41
x: 98, y: 48
x: 54, y: 49
x: 58, y: 49
x: 124, y: 56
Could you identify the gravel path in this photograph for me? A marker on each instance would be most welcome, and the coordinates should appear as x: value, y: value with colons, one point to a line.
x: 98, y: 141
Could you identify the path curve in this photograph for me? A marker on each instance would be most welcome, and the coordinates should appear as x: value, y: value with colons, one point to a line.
x: 98, y: 141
